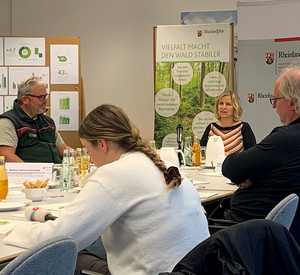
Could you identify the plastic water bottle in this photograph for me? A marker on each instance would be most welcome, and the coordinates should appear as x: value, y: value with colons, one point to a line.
x: 65, y: 176
x: 188, y: 151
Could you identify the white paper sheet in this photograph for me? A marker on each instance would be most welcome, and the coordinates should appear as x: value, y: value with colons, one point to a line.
x: 28, y: 51
x: 18, y: 172
x: 64, y: 110
x: 64, y: 60
x: 3, y: 81
x: 205, y: 195
x: 7, y: 225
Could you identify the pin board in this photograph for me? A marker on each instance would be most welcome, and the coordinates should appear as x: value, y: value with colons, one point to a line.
x: 57, y: 60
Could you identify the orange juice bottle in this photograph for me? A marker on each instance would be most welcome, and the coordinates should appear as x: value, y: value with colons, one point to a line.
x: 78, y: 158
x: 85, y: 163
x: 3, y: 180
x: 196, y: 152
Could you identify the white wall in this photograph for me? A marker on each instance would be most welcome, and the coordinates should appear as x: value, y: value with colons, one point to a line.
x: 116, y: 43
x: 5, y: 17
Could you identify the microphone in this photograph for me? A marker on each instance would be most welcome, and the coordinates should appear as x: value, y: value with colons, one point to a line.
x: 38, y: 214
x: 179, y: 129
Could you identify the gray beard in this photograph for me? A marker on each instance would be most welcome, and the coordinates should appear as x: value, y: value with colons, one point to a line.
x: 37, y: 111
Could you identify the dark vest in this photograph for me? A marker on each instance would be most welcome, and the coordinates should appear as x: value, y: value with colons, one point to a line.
x: 36, y: 137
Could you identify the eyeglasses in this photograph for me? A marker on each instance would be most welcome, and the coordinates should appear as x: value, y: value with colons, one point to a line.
x: 40, y: 97
x: 273, y: 100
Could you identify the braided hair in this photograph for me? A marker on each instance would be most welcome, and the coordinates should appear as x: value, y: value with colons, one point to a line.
x: 111, y: 123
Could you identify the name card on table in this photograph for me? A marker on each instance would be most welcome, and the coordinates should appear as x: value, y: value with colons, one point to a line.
x: 219, y: 163
x: 18, y: 172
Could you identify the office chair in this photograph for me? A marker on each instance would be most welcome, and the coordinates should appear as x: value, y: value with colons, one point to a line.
x: 284, y: 213
x: 253, y: 247
x: 54, y: 256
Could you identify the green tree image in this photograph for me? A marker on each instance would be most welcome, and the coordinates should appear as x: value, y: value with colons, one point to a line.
x: 193, y: 98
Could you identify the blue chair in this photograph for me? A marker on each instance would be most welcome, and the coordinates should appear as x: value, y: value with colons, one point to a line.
x: 284, y: 212
x: 55, y: 256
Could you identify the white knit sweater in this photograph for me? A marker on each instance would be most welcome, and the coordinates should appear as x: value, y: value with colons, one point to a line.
x: 145, y: 229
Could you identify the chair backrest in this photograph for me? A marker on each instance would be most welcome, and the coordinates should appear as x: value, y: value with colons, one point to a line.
x: 284, y: 211
x: 57, y: 255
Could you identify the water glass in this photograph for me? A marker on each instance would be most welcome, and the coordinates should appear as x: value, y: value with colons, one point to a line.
x: 56, y: 174
x: 152, y: 144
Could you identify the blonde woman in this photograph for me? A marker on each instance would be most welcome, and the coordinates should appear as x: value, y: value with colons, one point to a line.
x: 148, y: 215
x: 236, y: 134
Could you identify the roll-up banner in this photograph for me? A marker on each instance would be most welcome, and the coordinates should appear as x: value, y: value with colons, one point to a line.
x: 192, y: 67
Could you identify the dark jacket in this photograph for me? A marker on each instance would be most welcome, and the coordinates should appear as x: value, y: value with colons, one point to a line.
x: 254, y: 247
x: 273, y: 168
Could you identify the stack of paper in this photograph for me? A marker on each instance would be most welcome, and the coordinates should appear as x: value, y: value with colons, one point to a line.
x: 205, y: 195
x: 215, y: 174
x: 7, y: 225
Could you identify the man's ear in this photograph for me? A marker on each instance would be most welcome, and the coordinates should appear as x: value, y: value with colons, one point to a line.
x: 24, y: 99
x: 293, y: 103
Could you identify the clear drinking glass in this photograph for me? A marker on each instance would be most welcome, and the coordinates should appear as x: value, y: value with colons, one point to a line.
x: 152, y: 144
x: 56, y: 174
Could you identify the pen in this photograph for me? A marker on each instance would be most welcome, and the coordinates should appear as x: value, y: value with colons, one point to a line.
x: 213, y: 167
x: 200, y: 187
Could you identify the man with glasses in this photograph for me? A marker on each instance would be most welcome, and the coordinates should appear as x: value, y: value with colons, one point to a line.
x: 27, y: 134
x: 270, y: 170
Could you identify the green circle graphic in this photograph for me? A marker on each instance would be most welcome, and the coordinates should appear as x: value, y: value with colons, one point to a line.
x: 24, y: 52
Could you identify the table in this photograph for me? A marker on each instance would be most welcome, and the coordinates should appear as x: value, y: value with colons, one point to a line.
x: 207, y: 179
x: 205, y: 182
x: 217, y: 197
x: 9, y: 252
x: 209, y: 182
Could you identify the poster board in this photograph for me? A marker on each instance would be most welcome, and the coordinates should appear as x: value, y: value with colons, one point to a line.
x: 193, y: 64
x: 22, y: 56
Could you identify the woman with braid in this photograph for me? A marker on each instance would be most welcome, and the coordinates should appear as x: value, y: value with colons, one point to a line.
x: 148, y: 215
